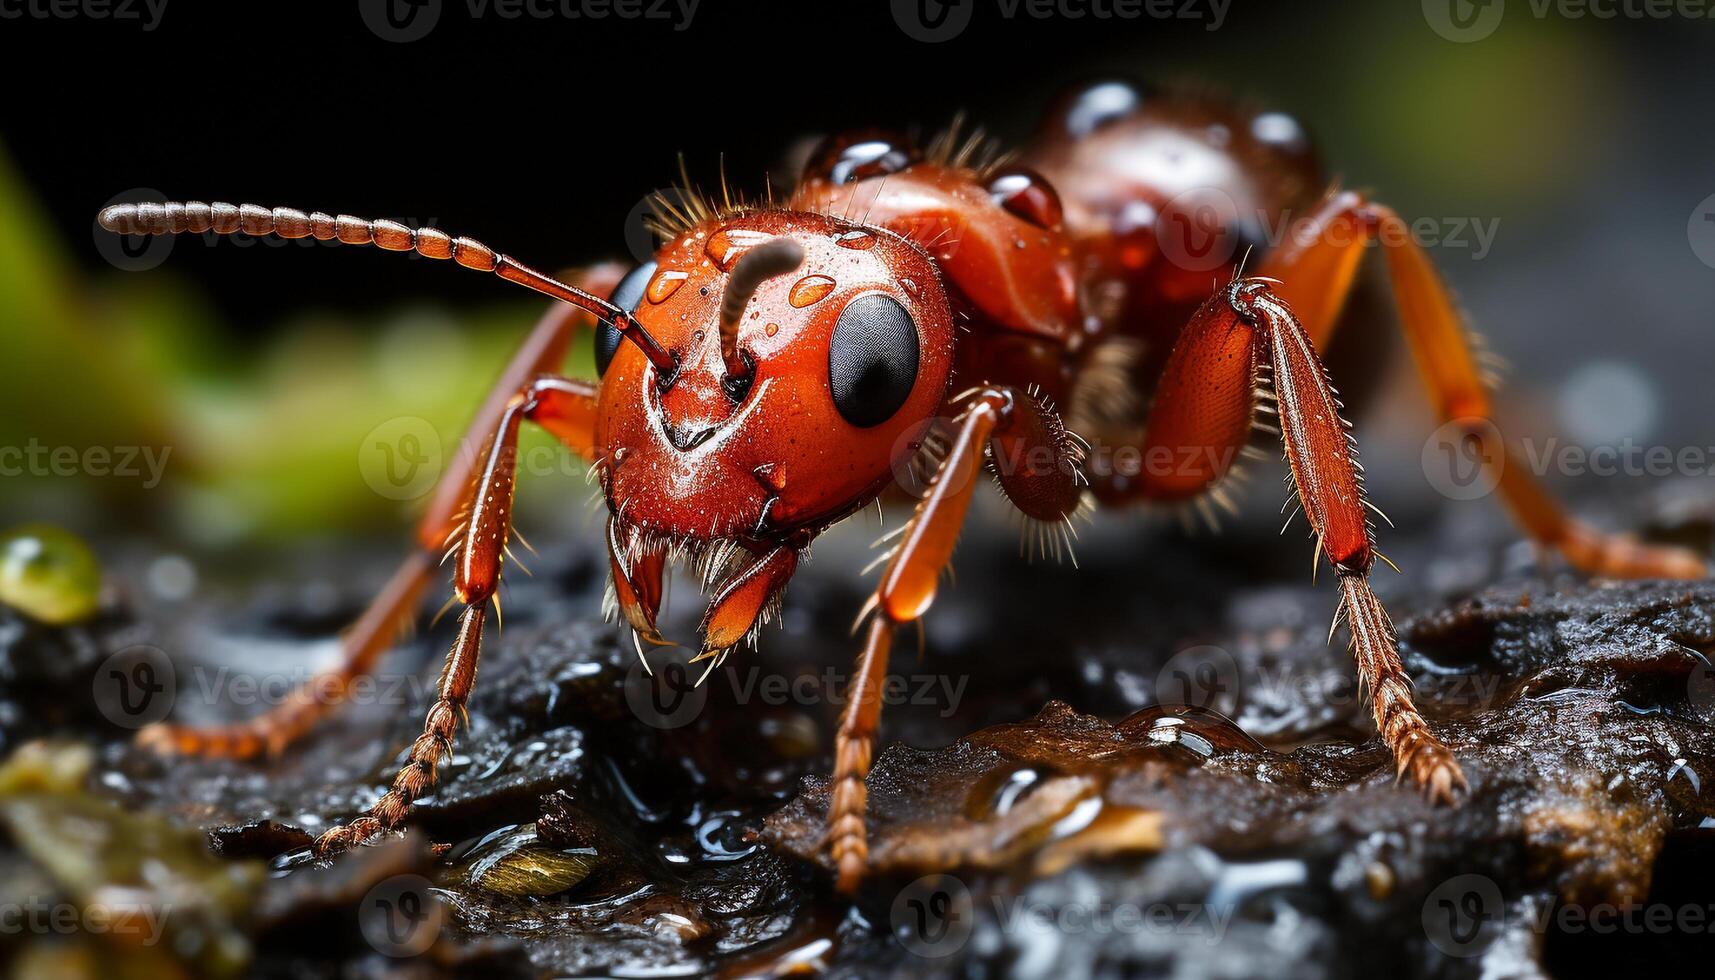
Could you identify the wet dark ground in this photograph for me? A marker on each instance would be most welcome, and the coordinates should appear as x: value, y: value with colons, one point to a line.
x: 1104, y: 819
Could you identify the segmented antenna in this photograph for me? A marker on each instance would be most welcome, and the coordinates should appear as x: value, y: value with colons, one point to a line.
x: 196, y: 217
x: 775, y: 257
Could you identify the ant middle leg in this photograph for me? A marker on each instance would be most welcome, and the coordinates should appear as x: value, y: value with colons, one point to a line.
x: 1317, y: 266
x: 1038, y: 466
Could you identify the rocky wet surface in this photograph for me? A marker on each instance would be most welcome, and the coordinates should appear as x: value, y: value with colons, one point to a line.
x: 1153, y: 764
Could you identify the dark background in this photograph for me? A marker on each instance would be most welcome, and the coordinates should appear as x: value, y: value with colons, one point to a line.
x: 539, y: 135
x: 1584, y: 139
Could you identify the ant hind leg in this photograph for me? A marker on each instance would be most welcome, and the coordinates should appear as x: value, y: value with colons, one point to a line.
x: 563, y: 407
x: 1317, y: 266
x: 396, y: 606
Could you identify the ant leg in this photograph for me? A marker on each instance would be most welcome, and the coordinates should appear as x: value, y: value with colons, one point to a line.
x: 1317, y: 265
x: 1329, y: 484
x: 563, y: 407
x: 395, y: 607
x: 1003, y: 421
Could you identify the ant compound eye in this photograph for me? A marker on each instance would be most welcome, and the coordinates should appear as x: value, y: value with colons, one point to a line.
x: 626, y: 296
x: 1027, y: 195
x: 872, y: 362
x: 852, y: 157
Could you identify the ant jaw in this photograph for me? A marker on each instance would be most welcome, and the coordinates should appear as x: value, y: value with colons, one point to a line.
x: 743, y: 580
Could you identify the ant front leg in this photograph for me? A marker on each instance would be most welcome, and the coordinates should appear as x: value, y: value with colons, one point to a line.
x: 1322, y: 455
x: 386, y: 616
x: 1316, y: 268
x: 567, y: 409
x: 1037, y: 463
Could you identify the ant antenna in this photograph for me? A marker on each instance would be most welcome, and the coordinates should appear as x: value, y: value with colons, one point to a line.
x: 775, y: 257
x: 195, y: 217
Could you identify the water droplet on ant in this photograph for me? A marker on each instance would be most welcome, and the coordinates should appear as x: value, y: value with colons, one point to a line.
x: 771, y: 329
x: 911, y: 288
x: 725, y: 246
x: 861, y: 240
x: 1281, y: 132
x: 809, y: 289
x: 1027, y: 195
x: 851, y: 157
x: 1098, y: 105
x: 664, y: 284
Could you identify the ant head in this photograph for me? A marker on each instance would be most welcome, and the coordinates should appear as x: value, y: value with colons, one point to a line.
x: 805, y: 349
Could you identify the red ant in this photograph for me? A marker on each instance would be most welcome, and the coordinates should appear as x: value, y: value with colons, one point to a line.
x: 782, y: 360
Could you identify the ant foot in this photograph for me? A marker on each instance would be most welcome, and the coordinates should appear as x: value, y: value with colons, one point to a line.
x: 1433, y: 768
x: 343, y: 838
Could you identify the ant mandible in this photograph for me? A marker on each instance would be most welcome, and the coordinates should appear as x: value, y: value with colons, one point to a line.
x: 771, y: 370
